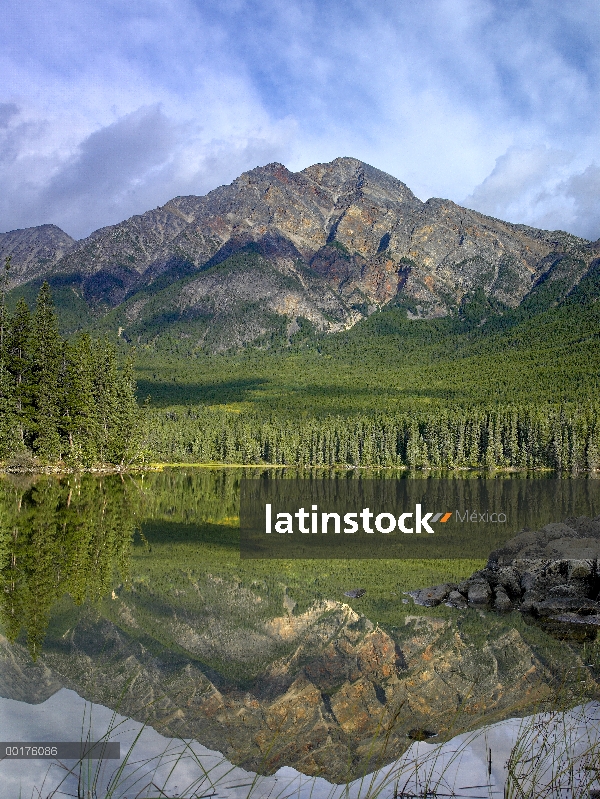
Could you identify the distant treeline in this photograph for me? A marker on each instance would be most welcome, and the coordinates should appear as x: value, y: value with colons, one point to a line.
x: 62, y: 400
x: 529, y: 437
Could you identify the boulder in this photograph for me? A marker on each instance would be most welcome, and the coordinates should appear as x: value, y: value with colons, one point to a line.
x: 547, y: 573
x: 456, y: 600
x: 510, y: 580
x: 479, y: 593
x: 502, y: 601
x: 581, y: 569
x: 573, y: 589
x: 431, y: 597
x: 553, y: 606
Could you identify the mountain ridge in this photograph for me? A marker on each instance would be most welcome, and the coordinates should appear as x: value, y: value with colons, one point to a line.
x: 329, y: 245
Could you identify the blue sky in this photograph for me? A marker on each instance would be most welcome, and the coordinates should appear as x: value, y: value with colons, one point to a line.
x: 109, y: 108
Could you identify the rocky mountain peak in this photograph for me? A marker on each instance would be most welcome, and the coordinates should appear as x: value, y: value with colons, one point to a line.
x: 33, y: 251
x: 329, y: 244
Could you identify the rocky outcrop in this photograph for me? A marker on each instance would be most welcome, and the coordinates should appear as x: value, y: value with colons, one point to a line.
x: 552, y: 574
x: 23, y: 680
x: 33, y: 251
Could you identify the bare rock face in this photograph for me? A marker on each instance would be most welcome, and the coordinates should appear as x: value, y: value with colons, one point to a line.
x: 22, y: 680
x: 33, y: 251
x: 329, y: 245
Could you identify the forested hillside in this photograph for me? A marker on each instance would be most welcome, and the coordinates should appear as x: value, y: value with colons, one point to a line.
x: 319, y: 318
x: 518, y: 391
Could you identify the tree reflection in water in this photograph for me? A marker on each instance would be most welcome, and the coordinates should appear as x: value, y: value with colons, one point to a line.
x: 61, y: 536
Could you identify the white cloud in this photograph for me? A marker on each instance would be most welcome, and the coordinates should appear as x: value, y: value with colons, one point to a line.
x: 138, y: 162
x: 584, y: 189
x: 542, y: 187
x: 457, y: 98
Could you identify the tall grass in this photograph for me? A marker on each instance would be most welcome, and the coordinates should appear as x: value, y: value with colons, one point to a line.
x: 554, y: 755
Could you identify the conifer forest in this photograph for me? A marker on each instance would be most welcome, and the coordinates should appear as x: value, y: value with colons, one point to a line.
x: 514, y: 390
x: 62, y: 401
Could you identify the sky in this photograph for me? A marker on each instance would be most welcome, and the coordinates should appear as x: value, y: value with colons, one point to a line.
x: 110, y: 108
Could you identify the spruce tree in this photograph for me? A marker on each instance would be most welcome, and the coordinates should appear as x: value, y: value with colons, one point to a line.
x: 105, y: 392
x: 82, y: 425
x: 47, y: 362
x: 127, y: 431
x: 19, y: 365
x: 7, y: 397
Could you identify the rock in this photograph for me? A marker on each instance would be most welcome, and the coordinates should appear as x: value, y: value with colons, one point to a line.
x: 579, y: 569
x: 575, y: 589
x: 574, y: 618
x: 558, y: 605
x: 528, y: 581
x: 33, y: 251
x: 334, y: 240
x: 431, y: 597
x: 502, y: 602
x: 510, y: 580
x: 529, y: 601
x: 546, y: 573
x: 480, y: 593
x: 456, y: 600
x: 420, y: 734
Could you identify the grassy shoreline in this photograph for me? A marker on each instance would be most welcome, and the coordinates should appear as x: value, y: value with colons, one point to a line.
x: 158, y: 466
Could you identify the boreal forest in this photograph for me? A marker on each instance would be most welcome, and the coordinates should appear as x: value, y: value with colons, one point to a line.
x: 483, y: 388
x: 62, y: 401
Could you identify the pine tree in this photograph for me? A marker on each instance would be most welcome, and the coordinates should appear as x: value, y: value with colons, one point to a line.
x: 46, y: 361
x: 7, y: 395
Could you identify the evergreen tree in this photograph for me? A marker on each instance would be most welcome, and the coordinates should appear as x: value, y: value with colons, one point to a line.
x: 7, y: 398
x: 47, y: 362
x: 105, y: 392
x: 81, y: 419
x: 19, y: 364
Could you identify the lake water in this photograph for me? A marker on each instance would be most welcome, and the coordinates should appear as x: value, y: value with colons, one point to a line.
x: 563, y: 746
x: 129, y: 590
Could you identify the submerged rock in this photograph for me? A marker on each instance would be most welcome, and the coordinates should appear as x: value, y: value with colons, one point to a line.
x: 431, y: 597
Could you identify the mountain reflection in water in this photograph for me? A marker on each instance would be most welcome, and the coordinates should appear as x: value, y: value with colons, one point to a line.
x: 130, y: 590
x: 562, y: 751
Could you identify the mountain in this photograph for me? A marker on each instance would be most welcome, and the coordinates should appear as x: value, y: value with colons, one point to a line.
x: 276, y: 252
x: 33, y: 251
x: 346, y: 696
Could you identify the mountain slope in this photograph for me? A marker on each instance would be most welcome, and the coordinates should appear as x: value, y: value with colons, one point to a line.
x: 328, y: 245
x: 34, y: 251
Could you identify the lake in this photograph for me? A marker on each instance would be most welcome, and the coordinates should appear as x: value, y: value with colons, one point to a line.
x: 130, y: 591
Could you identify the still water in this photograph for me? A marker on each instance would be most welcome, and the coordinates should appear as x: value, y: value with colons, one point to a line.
x: 130, y: 591
x: 472, y: 765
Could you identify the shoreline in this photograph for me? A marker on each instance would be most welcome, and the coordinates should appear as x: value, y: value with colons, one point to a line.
x: 159, y: 466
